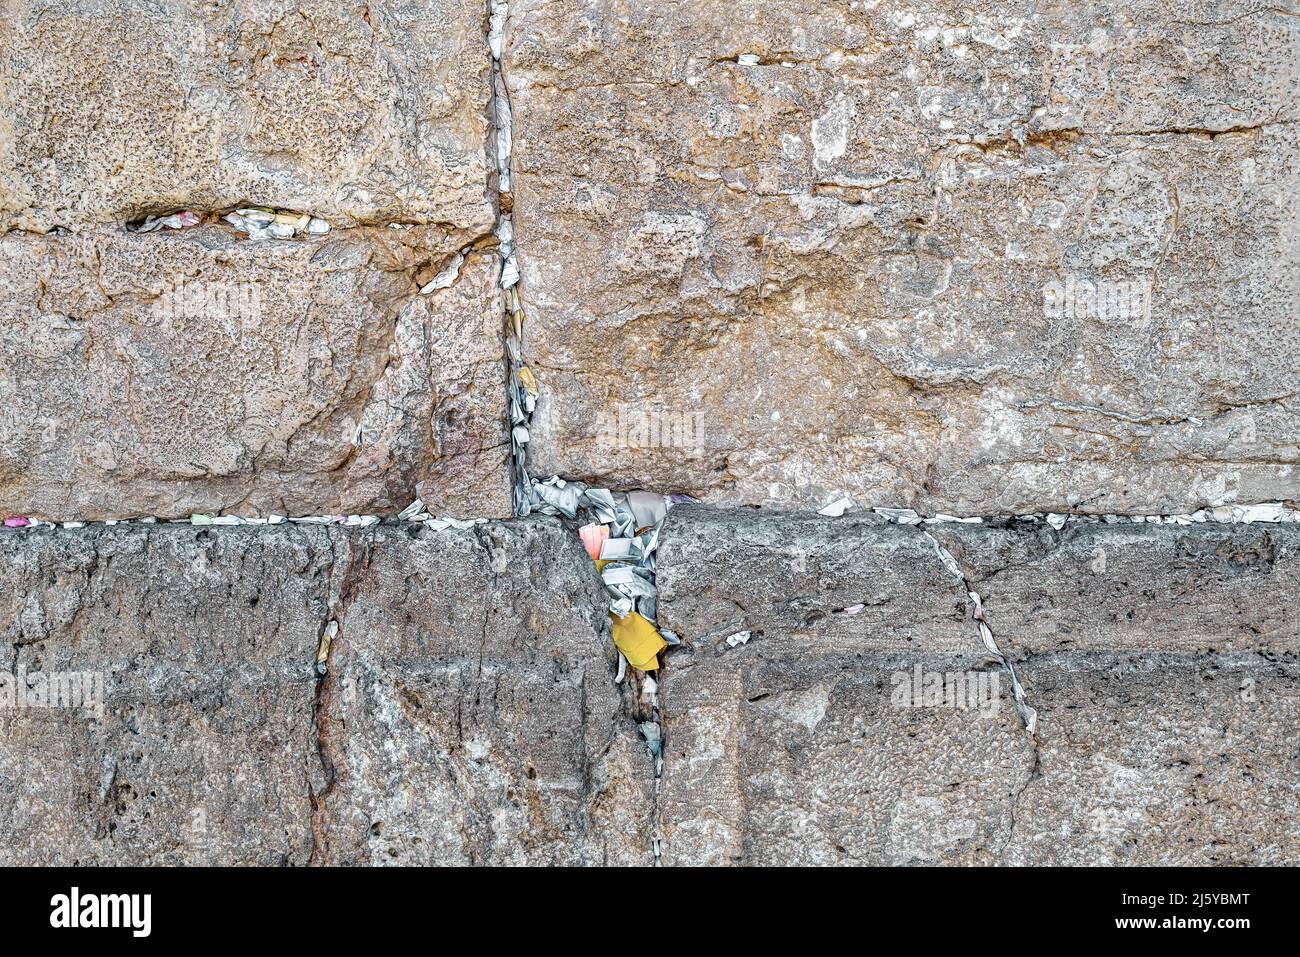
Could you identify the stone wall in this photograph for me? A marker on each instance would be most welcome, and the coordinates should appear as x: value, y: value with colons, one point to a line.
x: 1165, y: 680
x: 469, y: 713
x: 172, y: 372
x: 856, y: 239
x: 1017, y: 286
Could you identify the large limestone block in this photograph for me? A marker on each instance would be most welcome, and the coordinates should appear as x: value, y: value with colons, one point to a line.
x: 203, y: 643
x: 1204, y: 588
x: 1201, y: 588
x: 723, y: 571
x: 361, y: 113
x: 470, y: 714
x: 861, y: 263
x: 800, y: 758
x: 1161, y: 661
x: 172, y: 373
x: 796, y: 753
x: 1163, y: 760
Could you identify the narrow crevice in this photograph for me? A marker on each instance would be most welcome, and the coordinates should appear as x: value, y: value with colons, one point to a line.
x: 1028, y: 715
x: 1262, y: 513
x: 1206, y: 131
x: 633, y: 532
x: 255, y: 222
x: 619, y: 532
x: 521, y: 384
x: 355, y: 560
x: 1016, y: 796
x: 650, y: 725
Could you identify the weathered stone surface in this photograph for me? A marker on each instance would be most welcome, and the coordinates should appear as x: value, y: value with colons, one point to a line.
x: 967, y: 260
x: 205, y: 642
x: 360, y: 113
x: 800, y: 758
x: 721, y: 571
x: 1202, y: 588
x: 1206, y: 587
x: 1163, y: 760
x: 172, y: 373
x: 839, y: 256
x: 469, y: 713
x: 1163, y: 661
x: 798, y: 754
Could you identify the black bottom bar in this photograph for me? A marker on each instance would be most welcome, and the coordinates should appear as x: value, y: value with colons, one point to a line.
x: 931, y: 907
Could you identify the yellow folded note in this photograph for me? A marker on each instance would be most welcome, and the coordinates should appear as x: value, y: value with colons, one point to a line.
x: 639, y: 640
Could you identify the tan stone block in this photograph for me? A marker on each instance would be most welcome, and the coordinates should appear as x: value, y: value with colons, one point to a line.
x: 173, y: 373
x: 360, y: 113
x: 859, y: 264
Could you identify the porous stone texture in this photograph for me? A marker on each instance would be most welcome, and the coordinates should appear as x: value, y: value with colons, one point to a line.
x: 797, y: 756
x: 1200, y: 588
x: 1166, y: 677
x: 172, y: 373
x: 1193, y: 589
x: 204, y: 641
x: 791, y: 753
x: 1162, y: 760
x: 986, y: 260
x: 469, y: 713
x: 357, y: 112
x: 722, y: 571
x: 858, y: 264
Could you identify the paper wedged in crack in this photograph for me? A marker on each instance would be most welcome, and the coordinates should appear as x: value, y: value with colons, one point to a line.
x: 197, y: 372
x: 1198, y: 589
x: 360, y: 113
x: 860, y: 264
x: 1159, y: 659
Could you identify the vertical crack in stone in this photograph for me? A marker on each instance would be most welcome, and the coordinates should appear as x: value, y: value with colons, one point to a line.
x: 1035, y: 772
x: 649, y: 723
x: 356, y: 559
x: 522, y: 386
x: 656, y: 744
x: 1028, y: 715
x: 645, y: 712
